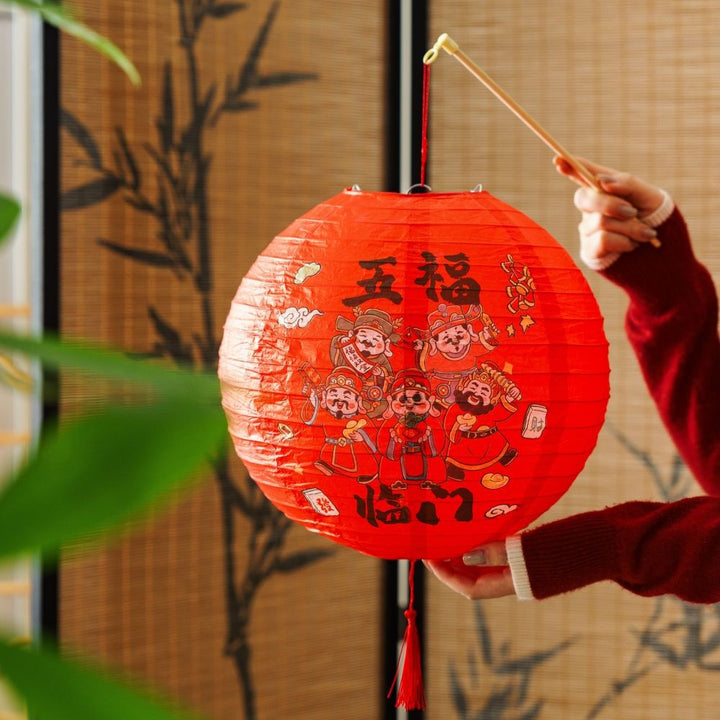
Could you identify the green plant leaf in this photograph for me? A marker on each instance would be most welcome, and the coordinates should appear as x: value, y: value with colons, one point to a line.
x: 106, y: 362
x: 9, y: 213
x: 101, y: 470
x: 56, y: 689
x: 54, y: 14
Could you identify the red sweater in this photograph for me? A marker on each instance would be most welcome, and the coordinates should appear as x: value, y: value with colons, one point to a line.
x: 654, y: 548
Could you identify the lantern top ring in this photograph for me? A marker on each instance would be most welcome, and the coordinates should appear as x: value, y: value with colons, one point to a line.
x: 445, y: 42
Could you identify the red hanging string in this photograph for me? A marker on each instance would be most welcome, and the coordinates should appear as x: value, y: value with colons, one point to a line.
x: 408, y: 675
x: 411, y: 691
x: 425, y: 111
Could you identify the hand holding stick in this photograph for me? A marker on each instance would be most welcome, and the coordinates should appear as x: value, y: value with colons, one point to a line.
x: 450, y: 46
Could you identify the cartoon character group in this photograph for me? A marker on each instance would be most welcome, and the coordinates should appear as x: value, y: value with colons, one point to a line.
x: 432, y: 425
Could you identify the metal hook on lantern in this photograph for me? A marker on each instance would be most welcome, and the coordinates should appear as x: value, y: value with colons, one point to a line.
x: 418, y: 188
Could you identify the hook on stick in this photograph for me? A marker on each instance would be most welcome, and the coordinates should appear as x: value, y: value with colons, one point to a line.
x: 450, y: 46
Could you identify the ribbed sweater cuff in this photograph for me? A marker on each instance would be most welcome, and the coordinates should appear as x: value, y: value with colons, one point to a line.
x: 556, y: 566
x: 658, y: 216
x: 516, y: 561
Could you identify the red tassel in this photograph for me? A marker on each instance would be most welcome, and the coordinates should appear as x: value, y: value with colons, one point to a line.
x: 411, y: 691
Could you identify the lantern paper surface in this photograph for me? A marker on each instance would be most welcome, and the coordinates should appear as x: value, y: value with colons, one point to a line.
x: 413, y: 375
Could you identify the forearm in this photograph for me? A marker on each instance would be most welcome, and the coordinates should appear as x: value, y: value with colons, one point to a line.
x: 646, y: 547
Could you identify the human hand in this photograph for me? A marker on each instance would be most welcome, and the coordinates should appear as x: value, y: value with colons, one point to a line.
x: 612, y: 219
x: 479, y: 575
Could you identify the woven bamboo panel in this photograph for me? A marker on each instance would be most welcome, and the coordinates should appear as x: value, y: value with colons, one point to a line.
x: 633, y: 86
x: 295, y: 114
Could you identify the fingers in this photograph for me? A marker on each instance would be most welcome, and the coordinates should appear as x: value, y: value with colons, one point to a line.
x: 482, y: 573
x: 566, y: 169
x: 637, y: 193
x: 588, y: 200
x: 473, y: 583
x: 612, y: 218
x: 601, y: 234
x: 493, y: 553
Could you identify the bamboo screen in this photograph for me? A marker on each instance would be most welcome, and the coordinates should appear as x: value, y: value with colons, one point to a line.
x: 287, y: 111
x: 633, y: 86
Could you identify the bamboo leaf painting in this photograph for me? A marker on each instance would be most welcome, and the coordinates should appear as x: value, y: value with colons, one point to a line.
x: 166, y: 178
x: 225, y: 9
x: 91, y: 193
x: 72, y: 124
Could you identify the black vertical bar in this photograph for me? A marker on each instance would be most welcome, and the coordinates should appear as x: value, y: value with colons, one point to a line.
x: 49, y: 580
x: 394, y: 620
x: 419, y: 47
x: 419, y: 19
x: 392, y: 97
x: 392, y: 182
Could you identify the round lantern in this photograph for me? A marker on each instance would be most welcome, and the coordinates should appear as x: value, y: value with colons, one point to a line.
x: 413, y: 375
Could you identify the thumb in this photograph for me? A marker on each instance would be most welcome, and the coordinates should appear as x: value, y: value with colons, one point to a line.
x: 490, y: 554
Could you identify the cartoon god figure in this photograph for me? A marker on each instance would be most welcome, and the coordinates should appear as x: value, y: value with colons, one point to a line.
x: 349, y: 449
x: 482, y: 399
x: 366, y: 347
x: 411, y: 439
x: 456, y: 339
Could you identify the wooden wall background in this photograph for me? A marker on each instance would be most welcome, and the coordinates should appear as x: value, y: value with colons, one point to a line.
x: 634, y: 86
x: 305, y: 121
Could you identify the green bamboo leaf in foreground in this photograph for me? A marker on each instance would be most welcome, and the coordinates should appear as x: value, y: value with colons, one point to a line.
x: 54, y: 14
x: 103, y: 469
x: 9, y: 213
x: 105, y: 362
x: 56, y: 689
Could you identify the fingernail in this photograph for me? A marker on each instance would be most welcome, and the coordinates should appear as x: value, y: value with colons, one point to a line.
x: 649, y: 233
x: 627, y: 211
x: 475, y: 557
x: 603, y: 178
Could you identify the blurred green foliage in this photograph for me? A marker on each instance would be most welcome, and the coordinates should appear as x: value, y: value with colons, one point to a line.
x: 88, y: 477
x: 61, y: 17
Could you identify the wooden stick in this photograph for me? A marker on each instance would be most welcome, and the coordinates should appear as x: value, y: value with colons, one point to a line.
x: 449, y: 45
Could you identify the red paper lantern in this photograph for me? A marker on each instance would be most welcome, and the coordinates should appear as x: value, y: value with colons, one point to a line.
x: 413, y: 375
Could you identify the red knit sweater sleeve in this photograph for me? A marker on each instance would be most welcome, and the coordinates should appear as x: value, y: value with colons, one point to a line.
x: 648, y: 548
x: 655, y: 548
x: 672, y: 324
